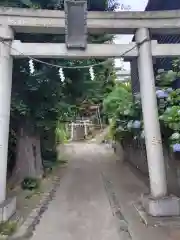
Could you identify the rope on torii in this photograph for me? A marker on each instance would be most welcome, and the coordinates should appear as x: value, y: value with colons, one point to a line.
x: 91, y: 72
x: 31, y: 66
x: 61, y: 74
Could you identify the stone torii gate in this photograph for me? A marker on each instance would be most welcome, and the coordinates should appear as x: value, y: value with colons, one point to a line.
x: 12, y: 20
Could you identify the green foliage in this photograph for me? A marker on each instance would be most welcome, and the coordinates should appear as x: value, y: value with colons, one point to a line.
x: 41, y: 98
x: 176, y: 66
x: 117, y: 100
x: 165, y: 78
x: 30, y: 183
x: 61, y: 133
x: 126, y: 114
x: 171, y: 117
x: 174, y: 98
x: 112, y: 129
x: 123, y: 112
x: 8, y: 228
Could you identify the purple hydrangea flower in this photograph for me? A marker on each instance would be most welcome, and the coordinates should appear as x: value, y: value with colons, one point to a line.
x: 169, y: 90
x: 176, y: 147
x: 161, y: 94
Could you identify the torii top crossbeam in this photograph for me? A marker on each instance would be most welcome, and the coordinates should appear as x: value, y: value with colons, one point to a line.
x: 53, y: 21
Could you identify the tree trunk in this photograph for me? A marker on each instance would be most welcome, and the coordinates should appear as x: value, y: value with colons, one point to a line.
x: 28, y: 156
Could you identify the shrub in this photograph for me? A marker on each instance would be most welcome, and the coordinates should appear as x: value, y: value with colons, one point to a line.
x: 8, y: 228
x: 30, y: 183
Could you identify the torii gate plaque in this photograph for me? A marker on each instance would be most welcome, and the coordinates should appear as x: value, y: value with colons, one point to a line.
x: 76, y: 24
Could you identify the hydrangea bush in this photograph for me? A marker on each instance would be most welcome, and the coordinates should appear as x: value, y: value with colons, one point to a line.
x: 129, y: 116
x: 128, y: 121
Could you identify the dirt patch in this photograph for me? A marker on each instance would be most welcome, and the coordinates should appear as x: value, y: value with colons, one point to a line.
x: 28, y: 200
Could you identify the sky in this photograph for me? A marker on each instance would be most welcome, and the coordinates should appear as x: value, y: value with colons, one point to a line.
x: 130, y: 5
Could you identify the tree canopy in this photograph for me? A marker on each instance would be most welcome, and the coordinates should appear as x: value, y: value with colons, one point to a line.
x: 34, y: 94
x: 40, y: 100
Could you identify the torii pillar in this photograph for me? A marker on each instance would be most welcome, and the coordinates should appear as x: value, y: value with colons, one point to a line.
x: 6, y: 64
x: 158, y: 203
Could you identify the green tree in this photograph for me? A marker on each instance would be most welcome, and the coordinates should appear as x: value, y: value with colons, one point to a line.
x: 40, y: 99
x: 120, y: 97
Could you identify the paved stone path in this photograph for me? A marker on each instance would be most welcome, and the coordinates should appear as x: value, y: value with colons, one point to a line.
x: 95, y: 201
x: 81, y: 209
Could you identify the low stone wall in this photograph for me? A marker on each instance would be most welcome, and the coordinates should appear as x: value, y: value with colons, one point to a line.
x: 135, y: 154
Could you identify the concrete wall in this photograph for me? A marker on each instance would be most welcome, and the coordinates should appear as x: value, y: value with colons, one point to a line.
x: 135, y: 154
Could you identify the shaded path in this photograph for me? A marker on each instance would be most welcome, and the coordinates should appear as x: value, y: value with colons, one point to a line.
x: 81, y: 208
x: 95, y: 201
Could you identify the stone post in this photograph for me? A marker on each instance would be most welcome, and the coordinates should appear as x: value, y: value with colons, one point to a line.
x: 72, y: 131
x: 158, y: 203
x: 6, y: 62
x: 150, y: 115
x: 85, y: 128
x: 7, y: 206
